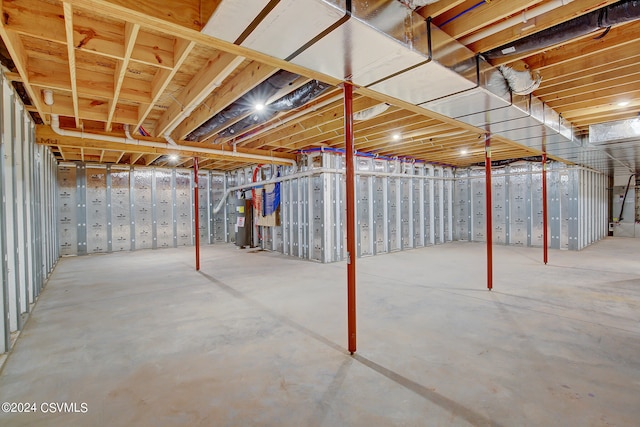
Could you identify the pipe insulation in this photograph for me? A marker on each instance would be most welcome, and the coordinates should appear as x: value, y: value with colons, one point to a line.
x: 617, y: 13
x: 55, y: 126
x: 245, y: 104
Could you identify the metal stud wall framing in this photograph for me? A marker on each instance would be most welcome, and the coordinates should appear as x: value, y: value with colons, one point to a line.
x: 395, y: 202
x: 576, y: 201
x: 28, y: 241
x: 115, y: 208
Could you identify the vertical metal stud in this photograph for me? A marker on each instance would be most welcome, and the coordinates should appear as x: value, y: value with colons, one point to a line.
x: 4, y: 259
x: 109, y: 212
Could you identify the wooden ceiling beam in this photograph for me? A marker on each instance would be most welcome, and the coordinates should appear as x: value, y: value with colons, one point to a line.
x: 617, y: 37
x: 596, y: 89
x: 324, y: 120
x: 163, y: 77
x: 311, y: 126
x: 438, y: 8
x: 542, y: 22
x: 150, y: 158
x: 19, y: 56
x: 131, y: 33
x: 119, y: 159
x: 614, y: 96
x: 627, y: 54
x: 133, y: 158
x: 46, y: 136
x: 279, y: 94
x: 485, y: 15
x: 588, y: 109
x: 594, y: 79
x: 41, y: 19
x: 135, y: 12
x: 210, y: 76
x: 251, y: 76
x: 152, y: 49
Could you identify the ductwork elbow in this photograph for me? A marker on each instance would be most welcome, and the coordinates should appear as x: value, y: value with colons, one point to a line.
x: 371, y: 112
x: 520, y: 82
x: 169, y: 138
x: 55, y: 125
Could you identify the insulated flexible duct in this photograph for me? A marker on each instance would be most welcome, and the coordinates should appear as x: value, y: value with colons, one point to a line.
x: 618, y: 13
x: 295, y: 99
x: 520, y: 82
x: 260, y: 93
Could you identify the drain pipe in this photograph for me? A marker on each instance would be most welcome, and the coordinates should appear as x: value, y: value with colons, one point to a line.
x: 55, y: 126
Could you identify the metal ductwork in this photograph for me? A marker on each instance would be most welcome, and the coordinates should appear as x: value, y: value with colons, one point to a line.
x: 295, y: 99
x: 390, y: 49
x: 604, y: 18
x: 244, y: 105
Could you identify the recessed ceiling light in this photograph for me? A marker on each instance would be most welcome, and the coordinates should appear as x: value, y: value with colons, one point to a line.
x: 173, y: 157
x: 259, y: 106
x: 395, y: 136
x: 464, y: 151
x: 623, y: 103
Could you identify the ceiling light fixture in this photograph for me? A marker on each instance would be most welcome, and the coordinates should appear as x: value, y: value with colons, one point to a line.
x: 173, y: 157
x: 623, y: 103
x: 395, y: 136
x: 463, y: 151
x: 259, y: 106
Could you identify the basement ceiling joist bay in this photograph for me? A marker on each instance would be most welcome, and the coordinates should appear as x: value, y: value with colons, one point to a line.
x: 166, y: 72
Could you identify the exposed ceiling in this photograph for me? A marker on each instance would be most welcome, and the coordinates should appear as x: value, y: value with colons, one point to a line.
x: 147, y: 67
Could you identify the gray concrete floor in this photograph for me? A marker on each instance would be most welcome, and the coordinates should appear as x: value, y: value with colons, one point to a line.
x: 258, y: 339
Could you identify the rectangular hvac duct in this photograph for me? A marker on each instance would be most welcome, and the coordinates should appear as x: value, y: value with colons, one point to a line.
x: 388, y: 48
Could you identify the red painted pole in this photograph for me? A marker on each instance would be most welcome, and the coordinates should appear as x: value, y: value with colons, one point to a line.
x: 351, y: 220
x: 545, y: 232
x: 196, y: 212
x: 489, y: 210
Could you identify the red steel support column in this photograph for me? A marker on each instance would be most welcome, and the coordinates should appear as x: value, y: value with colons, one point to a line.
x: 351, y: 217
x: 545, y: 232
x: 489, y: 210
x: 195, y: 211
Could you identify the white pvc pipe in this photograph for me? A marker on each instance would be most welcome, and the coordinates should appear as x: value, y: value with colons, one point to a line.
x: 515, y: 20
x: 319, y: 171
x: 200, y: 99
x: 55, y: 126
x: 272, y: 181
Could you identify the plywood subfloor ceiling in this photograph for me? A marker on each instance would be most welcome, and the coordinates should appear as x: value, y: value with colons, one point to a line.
x: 116, y: 65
